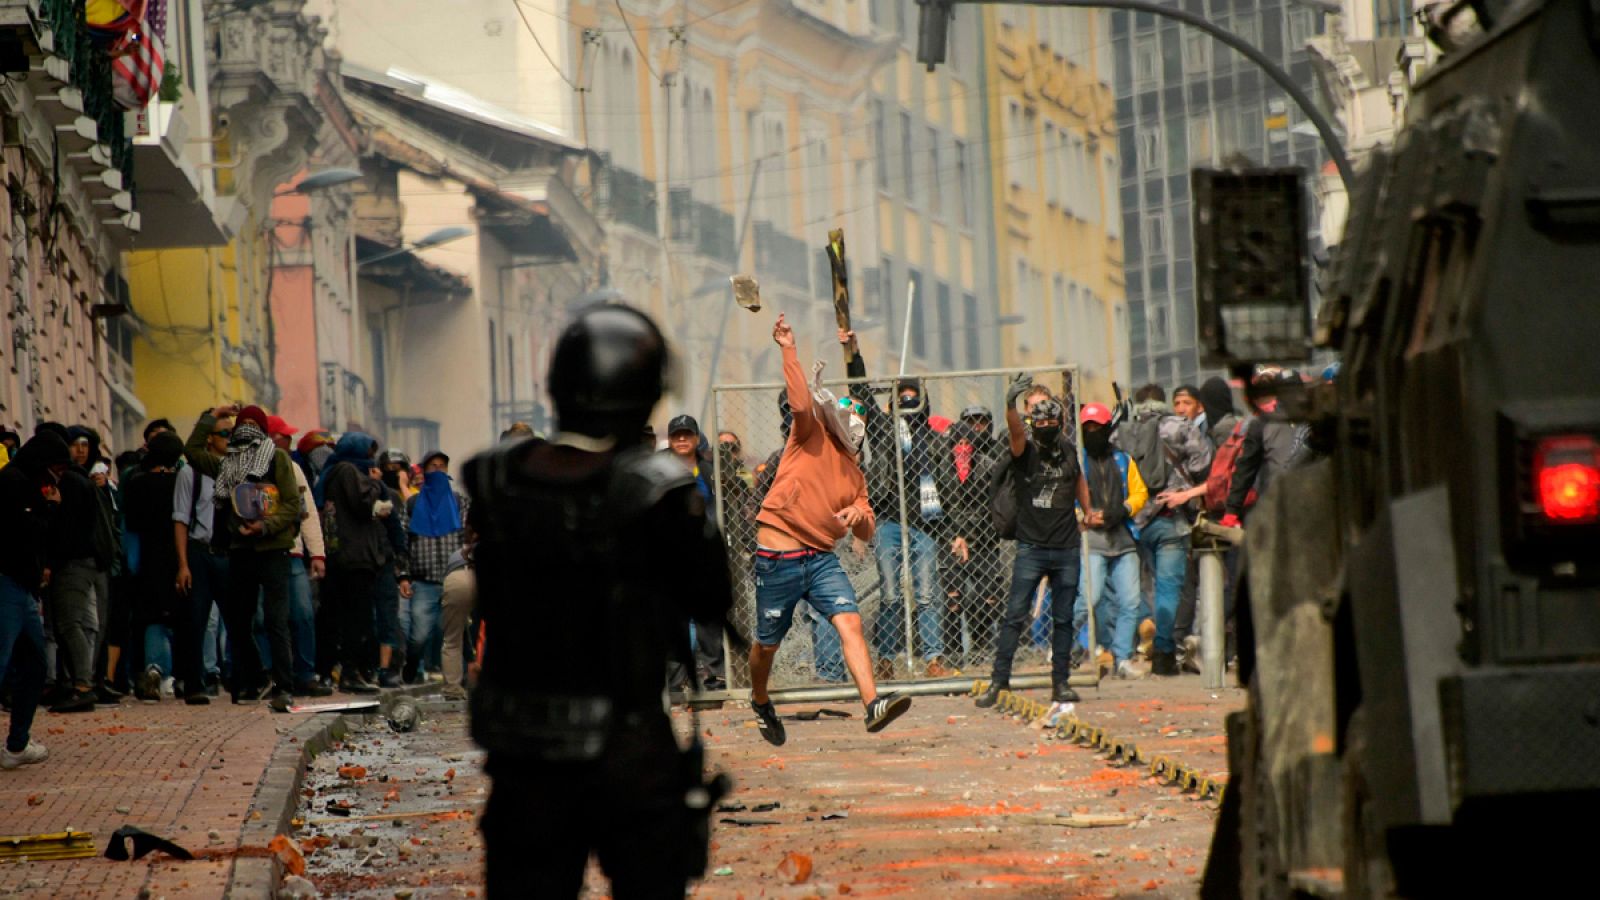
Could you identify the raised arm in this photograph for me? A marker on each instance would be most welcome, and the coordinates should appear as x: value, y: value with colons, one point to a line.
x: 1017, y: 433
x: 794, y: 380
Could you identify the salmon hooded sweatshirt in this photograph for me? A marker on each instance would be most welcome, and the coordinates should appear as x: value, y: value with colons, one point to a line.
x: 817, y: 477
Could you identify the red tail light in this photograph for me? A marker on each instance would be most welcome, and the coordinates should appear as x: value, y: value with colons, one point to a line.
x: 1566, y: 474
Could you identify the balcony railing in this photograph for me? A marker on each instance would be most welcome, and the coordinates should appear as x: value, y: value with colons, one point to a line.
x: 633, y: 200
x: 782, y: 257
x: 90, y: 72
x: 714, y: 236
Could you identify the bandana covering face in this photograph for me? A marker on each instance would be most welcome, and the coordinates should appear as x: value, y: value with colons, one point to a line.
x: 436, y: 513
x: 849, y: 428
x: 250, y: 455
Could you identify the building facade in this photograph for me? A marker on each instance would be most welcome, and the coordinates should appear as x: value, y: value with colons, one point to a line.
x: 201, y: 295
x: 1185, y: 101
x: 1058, y: 229
x: 454, y: 328
x: 66, y: 214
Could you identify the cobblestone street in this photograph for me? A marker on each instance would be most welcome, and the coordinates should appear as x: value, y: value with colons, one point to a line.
x: 950, y: 801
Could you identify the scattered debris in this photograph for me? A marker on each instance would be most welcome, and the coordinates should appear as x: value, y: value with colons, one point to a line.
x: 143, y: 843
x: 795, y: 868
x: 748, y: 823
x: 812, y: 715
x: 724, y: 871
x: 731, y: 808
x: 56, y: 845
x: 1080, y: 820
x: 766, y: 807
x: 294, y: 862
x: 836, y: 815
x: 354, y: 773
x: 296, y: 887
x: 404, y: 715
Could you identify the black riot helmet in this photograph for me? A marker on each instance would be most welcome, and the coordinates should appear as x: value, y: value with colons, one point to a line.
x: 610, y: 367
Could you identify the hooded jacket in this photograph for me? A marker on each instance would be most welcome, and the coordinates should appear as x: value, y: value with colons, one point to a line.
x: 355, y: 536
x: 26, y: 515
x: 1216, y: 398
x: 890, y: 435
x: 1188, y: 452
x: 966, y: 500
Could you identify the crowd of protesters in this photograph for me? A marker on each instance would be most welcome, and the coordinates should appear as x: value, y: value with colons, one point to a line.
x: 239, y: 560
x: 991, y: 531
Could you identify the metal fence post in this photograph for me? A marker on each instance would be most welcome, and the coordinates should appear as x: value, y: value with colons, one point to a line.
x: 907, y: 586
x: 1212, y: 635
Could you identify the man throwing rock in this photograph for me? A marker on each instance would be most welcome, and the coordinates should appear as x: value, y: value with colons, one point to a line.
x: 818, y: 496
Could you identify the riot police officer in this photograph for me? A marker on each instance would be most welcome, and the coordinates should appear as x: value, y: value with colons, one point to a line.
x: 593, y: 555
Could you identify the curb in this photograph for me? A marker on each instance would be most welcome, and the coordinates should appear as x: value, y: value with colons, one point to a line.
x: 1118, y: 751
x: 278, y: 793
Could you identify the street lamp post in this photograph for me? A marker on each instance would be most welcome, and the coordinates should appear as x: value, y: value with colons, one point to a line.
x: 934, y: 25
x: 433, y: 239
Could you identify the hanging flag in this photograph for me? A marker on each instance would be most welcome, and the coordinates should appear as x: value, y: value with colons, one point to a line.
x: 136, y: 74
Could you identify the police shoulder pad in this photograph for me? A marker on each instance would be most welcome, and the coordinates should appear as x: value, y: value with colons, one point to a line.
x: 643, y: 477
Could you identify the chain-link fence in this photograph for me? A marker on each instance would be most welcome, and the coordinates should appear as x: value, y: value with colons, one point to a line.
x: 933, y: 583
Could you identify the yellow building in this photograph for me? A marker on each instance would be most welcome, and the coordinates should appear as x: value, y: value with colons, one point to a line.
x: 734, y: 142
x: 200, y: 286
x: 1054, y: 177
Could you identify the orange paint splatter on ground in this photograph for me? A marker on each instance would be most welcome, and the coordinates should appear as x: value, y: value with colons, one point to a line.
x: 118, y: 729
x: 954, y: 811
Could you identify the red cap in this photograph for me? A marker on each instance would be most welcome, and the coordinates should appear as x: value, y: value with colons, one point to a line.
x: 313, y: 439
x: 276, y: 426
x: 1097, y: 413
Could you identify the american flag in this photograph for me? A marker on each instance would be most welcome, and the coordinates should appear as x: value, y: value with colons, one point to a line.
x: 137, y: 73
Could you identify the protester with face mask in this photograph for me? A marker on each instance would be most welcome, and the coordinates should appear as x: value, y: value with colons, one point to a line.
x: 903, y: 448
x: 974, y: 584
x: 1047, y: 483
x: 437, y: 524
x: 259, y: 523
x: 1118, y: 491
x: 29, y: 500
x: 818, y: 496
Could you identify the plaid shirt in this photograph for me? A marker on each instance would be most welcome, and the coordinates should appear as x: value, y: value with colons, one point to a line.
x: 430, y: 556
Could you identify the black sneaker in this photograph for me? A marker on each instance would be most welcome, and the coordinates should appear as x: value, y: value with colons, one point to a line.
x: 1063, y: 693
x: 388, y: 679
x: 885, y: 709
x: 197, y: 699
x: 991, y: 696
x: 357, y: 685
x: 78, y: 701
x: 281, y: 701
x: 251, y: 694
x: 312, y: 689
x: 213, y: 686
x: 1164, y: 664
x: 106, y: 695
x: 771, y: 725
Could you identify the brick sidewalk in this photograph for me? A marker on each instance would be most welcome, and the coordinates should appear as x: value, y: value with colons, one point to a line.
x: 180, y: 772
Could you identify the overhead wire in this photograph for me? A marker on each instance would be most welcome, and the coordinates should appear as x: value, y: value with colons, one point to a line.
x: 540, y: 44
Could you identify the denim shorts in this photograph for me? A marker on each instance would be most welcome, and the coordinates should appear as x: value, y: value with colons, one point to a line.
x: 817, y: 579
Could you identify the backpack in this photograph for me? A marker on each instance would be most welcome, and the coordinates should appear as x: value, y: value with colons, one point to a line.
x: 1003, y: 498
x: 1220, y: 482
x: 1143, y: 442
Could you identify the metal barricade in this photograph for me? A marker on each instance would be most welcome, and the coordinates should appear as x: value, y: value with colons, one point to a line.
x: 933, y: 585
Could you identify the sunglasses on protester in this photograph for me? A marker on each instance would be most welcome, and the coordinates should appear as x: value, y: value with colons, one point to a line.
x: 223, y: 432
x: 853, y: 405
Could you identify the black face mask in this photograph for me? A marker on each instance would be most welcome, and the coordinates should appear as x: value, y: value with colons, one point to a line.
x: 1048, y: 439
x: 392, y: 479
x: 1097, y: 442
x: 910, y: 402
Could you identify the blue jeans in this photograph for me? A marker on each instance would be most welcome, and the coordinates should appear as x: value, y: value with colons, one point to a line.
x: 781, y: 584
x: 1169, y: 559
x: 1032, y: 566
x: 210, y: 571
x: 22, y: 643
x: 302, y: 621
x: 889, y: 628
x: 419, y: 620
x: 158, y: 648
x: 1116, y: 607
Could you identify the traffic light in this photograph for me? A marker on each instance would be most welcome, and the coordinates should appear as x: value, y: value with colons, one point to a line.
x: 933, y: 31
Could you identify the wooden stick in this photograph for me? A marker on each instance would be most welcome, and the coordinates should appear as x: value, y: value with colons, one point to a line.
x: 841, y: 288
